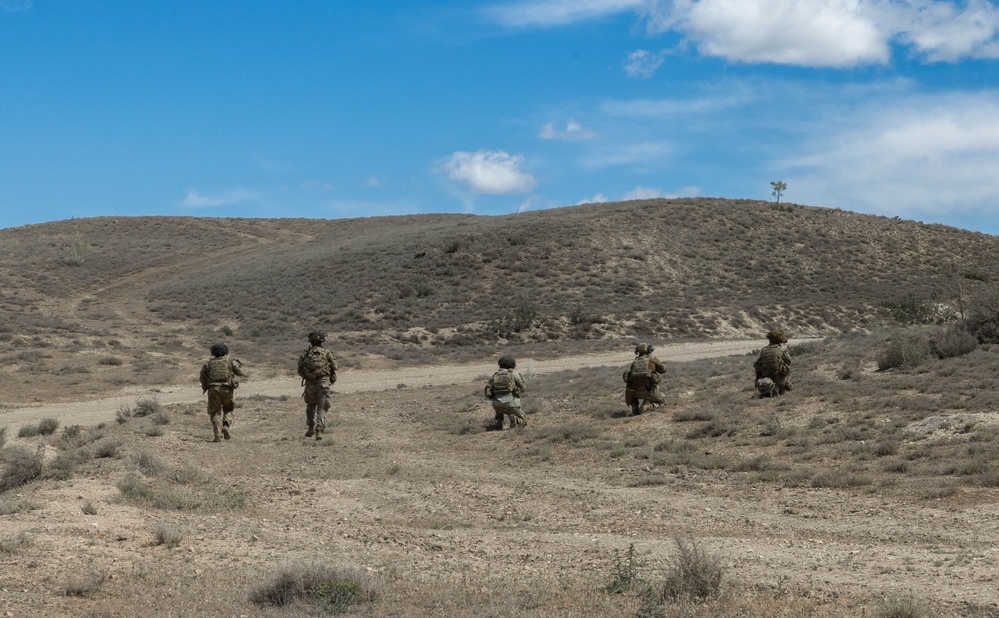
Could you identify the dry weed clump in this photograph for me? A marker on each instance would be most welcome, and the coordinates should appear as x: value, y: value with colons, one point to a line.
x: 20, y: 466
x: 167, y: 533
x: 332, y: 589
x: 86, y: 583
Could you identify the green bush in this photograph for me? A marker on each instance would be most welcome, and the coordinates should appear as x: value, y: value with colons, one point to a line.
x: 904, y: 350
x: 147, y: 406
x: 332, y: 589
x: 19, y: 467
x: 952, y: 341
x: 910, y: 309
x: 47, y: 426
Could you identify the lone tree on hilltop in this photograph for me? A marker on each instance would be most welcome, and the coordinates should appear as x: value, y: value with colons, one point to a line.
x: 779, y: 187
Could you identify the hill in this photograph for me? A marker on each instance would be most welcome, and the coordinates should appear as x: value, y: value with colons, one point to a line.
x: 123, y: 301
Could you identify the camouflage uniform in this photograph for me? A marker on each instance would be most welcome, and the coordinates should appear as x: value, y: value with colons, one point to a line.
x: 506, y: 399
x: 773, y: 367
x: 218, y: 380
x: 647, y: 388
x: 317, y: 388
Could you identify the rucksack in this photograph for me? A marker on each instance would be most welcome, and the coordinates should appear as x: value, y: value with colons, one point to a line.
x: 313, y: 364
x: 503, y: 382
x: 771, y: 363
x: 641, y: 371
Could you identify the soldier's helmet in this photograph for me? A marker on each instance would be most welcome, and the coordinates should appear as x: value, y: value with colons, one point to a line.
x: 219, y: 349
x: 507, y: 362
x: 644, y: 348
x: 317, y: 336
x: 776, y: 336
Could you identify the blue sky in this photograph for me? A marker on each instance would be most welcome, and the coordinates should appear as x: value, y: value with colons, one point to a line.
x: 344, y: 109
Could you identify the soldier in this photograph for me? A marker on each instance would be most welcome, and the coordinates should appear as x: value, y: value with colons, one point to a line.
x: 218, y: 379
x: 317, y: 368
x: 504, y: 389
x: 773, y: 367
x: 642, y: 379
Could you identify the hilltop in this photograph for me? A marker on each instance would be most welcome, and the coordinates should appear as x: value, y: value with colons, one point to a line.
x: 122, y: 301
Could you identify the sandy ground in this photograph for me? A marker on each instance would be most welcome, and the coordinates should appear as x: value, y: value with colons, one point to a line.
x: 103, y: 409
x: 480, y: 524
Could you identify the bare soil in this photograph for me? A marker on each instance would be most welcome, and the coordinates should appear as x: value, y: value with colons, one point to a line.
x: 485, y: 523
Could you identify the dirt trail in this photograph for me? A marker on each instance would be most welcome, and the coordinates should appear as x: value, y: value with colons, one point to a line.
x: 96, y: 411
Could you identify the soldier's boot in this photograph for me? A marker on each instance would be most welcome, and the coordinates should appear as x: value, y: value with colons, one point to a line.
x: 217, y: 430
x: 635, y: 408
x: 310, y: 432
x: 521, y: 421
x: 225, y: 431
x: 319, y: 434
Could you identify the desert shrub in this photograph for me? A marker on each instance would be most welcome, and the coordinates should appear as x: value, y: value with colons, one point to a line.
x: 694, y: 575
x: 112, y: 361
x: 123, y: 414
x: 11, y: 505
x: 62, y: 465
x: 14, y: 544
x: 952, y: 341
x: 27, y: 431
x: 132, y: 488
x: 625, y: 575
x: 147, y: 464
x: 85, y: 584
x: 904, y: 350
x: 983, y: 314
x: 3, y: 436
x: 20, y: 466
x: 47, y: 426
x: 900, y: 608
x: 166, y: 533
x: 107, y: 448
x: 153, y: 431
x: 332, y: 589
x: 71, y: 434
x: 88, y: 508
x: 147, y: 406
x: 160, y: 418
x: 910, y: 309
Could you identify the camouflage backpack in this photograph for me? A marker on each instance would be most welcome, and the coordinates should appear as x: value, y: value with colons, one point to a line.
x: 219, y: 371
x: 313, y: 364
x: 641, y: 371
x: 771, y: 363
x: 503, y: 382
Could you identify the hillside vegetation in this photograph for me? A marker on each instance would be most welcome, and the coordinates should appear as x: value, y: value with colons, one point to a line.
x: 126, y: 300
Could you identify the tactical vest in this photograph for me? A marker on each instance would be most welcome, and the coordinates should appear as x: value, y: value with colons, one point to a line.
x: 314, y: 364
x: 771, y: 364
x: 219, y: 371
x: 503, y: 382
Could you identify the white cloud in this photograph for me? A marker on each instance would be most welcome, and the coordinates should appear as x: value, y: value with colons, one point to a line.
x: 642, y: 193
x: 488, y: 171
x: 599, y: 198
x: 832, y: 33
x: 573, y: 131
x: 934, y: 155
x: 942, y: 32
x: 548, y: 13
x: 195, y: 199
x: 815, y: 33
x: 644, y: 64
x: 317, y: 185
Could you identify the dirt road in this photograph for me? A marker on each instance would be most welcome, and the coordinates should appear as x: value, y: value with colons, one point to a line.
x: 96, y: 411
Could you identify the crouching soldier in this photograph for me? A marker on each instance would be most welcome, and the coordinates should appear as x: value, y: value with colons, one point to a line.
x: 773, y: 367
x: 642, y: 380
x: 504, y: 390
x: 218, y: 380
